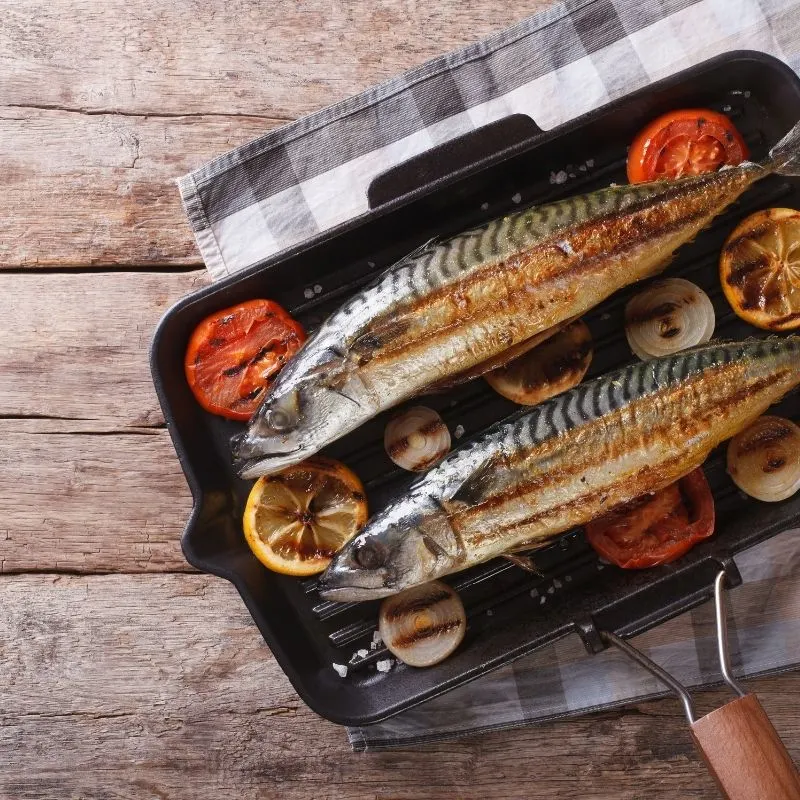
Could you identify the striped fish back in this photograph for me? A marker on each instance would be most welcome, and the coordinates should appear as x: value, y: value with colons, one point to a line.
x: 604, y: 395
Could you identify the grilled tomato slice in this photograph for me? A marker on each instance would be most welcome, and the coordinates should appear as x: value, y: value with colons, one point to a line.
x: 760, y: 269
x: 234, y: 355
x: 657, y: 528
x: 686, y: 142
x: 296, y: 519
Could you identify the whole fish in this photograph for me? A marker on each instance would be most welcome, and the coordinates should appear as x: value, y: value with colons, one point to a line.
x: 457, y: 309
x: 567, y: 461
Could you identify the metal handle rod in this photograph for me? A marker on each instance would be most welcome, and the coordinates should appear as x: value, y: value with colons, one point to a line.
x: 722, y: 635
x: 640, y: 658
x: 668, y: 680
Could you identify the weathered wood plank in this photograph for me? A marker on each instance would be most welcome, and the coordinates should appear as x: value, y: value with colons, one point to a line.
x: 247, y: 57
x: 84, y: 190
x: 77, y: 346
x: 97, y: 188
x: 77, y: 499
x: 159, y: 686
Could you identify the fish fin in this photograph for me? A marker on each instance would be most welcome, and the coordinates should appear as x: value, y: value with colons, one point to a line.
x: 426, y: 247
x: 499, y: 360
x: 379, y: 336
x: 473, y: 489
x: 785, y: 156
x: 523, y: 562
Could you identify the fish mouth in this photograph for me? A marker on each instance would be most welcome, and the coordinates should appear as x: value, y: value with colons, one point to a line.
x: 255, y: 455
x: 268, y: 464
x: 352, y: 594
x: 340, y: 588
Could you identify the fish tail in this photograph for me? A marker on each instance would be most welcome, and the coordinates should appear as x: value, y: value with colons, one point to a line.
x: 784, y: 158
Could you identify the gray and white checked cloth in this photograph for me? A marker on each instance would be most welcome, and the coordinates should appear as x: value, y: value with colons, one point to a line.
x: 312, y: 175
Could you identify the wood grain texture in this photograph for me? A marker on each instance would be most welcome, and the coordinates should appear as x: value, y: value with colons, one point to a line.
x: 84, y: 190
x: 243, y: 57
x: 102, y: 105
x: 160, y: 686
x: 77, y: 346
x: 744, y: 752
x: 78, y: 498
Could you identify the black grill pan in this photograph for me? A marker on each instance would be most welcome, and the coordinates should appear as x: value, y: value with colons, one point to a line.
x: 460, y: 184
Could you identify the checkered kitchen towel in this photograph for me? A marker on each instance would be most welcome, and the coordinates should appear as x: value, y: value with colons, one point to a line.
x: 313, y: 174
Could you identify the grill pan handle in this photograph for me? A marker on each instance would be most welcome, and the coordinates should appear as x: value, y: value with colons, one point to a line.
x: 466, y: 152
x: 740, y: 746
x: 745, y: 754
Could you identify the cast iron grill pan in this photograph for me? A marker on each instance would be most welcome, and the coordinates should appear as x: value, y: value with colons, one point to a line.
x: 497, y: 169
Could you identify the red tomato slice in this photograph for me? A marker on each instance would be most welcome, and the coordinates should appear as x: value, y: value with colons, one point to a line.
x: 235, y: 354
x: 657, y: 528
x: 682, y: 143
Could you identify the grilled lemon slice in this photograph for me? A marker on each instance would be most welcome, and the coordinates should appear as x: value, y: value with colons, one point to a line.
x: 296, y: 520
x: 760, y: 269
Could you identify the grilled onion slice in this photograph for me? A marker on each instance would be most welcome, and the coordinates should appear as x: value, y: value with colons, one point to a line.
x: 417, y: 439
x: 764, y: 459
x: 424, y: 624
x: 667, y: 317
x: 552, y: 367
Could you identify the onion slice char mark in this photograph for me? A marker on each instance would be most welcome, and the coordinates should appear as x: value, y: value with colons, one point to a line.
x: 667, y: 317
x: 764, y: 459
x: 416, y: 439
x: 423, y: 625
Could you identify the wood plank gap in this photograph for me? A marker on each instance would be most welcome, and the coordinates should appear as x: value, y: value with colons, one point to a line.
x: 80, y: 269
x: 111, y: 112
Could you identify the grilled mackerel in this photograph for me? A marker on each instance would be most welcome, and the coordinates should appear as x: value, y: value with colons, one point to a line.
x: 459, y: 308
x: 567, y: 461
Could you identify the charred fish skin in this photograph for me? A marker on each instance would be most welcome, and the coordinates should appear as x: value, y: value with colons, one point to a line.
x: 454, y: 306
x: 564, y: 463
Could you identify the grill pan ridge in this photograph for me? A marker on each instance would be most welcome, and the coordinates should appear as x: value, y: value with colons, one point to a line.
x: 500, y: 168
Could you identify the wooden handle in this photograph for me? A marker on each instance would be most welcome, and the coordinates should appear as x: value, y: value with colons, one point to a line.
x: 745, y: 754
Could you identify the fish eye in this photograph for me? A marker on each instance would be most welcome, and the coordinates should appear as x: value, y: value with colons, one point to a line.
x: 278, y: 419
x: 371, y: 555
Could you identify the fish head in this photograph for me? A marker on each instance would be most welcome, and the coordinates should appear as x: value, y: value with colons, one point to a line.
x: 401, y: 547
x: 307, y: 408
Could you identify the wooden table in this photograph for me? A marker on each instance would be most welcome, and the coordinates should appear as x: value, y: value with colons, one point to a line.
x: 123, y: 673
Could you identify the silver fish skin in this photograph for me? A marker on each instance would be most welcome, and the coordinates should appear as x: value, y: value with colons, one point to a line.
x: 456, y: 309
x: 567, y: 461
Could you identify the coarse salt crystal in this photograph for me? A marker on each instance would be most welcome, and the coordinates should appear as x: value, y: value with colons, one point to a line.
x: 484, y: 206
x: 341, y: 669
x: 459, y: 431
x: 308, y: 293
x: 363, y: 653
x: 317, y: 288
x: 384, y: 665
x: 558, y: 177
x: 517, y: 198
